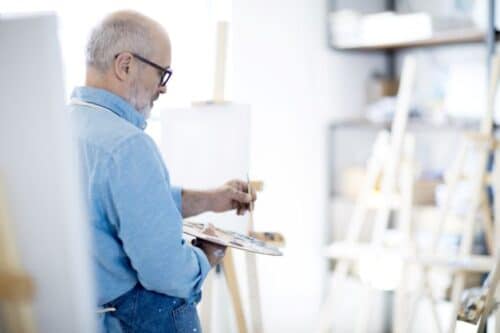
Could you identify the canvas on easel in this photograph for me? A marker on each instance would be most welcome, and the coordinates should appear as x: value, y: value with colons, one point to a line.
x: 205, y: 146
x: 39, y: 170
x: 216, y: 136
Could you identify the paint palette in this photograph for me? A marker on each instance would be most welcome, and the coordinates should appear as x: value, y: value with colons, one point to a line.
x: 229, y: 238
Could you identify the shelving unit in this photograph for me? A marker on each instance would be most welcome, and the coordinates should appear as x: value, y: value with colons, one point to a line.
x: 450, y: 37
x: 441, y: 39
x: 359, y: 134
x: 462, y: 36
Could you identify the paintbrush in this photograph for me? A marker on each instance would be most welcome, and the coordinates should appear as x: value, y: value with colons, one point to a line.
x: 250, y: 206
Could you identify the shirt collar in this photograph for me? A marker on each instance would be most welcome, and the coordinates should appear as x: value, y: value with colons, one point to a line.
x: 112, y: 102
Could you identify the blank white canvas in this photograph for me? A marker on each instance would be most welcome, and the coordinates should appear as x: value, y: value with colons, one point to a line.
x: 205, y: 146
x: 39, y: 170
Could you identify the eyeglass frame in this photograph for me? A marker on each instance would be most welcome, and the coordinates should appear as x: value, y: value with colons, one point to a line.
x: 166, y: 72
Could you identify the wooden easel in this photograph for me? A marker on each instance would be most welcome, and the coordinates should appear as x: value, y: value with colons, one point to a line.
x: 230, y: 276
x: 234, y: 291
x: 16, y: 288
x: 227, y: 266
x: 476, y: 309
x: 253, y: 283
x: 253, y: 278
x: 251, y: 262
x: 489, y: 295
x: 391, y: 162
x: 480, y: 145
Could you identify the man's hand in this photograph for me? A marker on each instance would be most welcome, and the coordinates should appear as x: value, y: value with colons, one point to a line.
x: 214, y: 252
x: 232, y: 195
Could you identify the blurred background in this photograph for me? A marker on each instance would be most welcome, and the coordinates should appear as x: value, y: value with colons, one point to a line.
x: 319, y: 80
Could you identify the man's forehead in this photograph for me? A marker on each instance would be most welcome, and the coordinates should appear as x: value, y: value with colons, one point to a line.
x: 162, y: 46
x: 165, y: 54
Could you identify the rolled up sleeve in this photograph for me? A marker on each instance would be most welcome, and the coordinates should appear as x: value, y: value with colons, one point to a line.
x: 148, y: 219
x: 177, y: 195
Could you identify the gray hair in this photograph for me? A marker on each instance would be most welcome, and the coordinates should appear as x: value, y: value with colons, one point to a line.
x: 115, y: 35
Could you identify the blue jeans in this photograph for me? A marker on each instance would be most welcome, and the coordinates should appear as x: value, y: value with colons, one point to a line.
x: 144, y: 311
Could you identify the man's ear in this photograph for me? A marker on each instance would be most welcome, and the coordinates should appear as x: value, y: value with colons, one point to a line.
x: 122, y: 65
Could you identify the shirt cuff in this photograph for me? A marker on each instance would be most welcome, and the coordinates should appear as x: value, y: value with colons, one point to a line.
x: 204, y: 266
x: 177, y: 195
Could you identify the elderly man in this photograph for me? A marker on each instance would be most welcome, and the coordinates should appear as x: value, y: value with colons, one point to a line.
x: 144, y: 269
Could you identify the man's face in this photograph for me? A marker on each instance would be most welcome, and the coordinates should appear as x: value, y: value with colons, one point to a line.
x: 146, y: 88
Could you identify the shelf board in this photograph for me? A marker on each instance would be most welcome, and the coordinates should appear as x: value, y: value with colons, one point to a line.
x: 462, y: 36
x: 413, y: 124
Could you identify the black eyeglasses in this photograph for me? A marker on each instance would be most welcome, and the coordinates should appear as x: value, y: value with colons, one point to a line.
x: 166, y: 72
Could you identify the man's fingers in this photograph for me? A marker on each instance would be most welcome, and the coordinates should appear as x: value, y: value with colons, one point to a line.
x: 241, y: 197
x: 237, y: 184
x: 242, y: 186
x: 242, y: 208
x: 235, y: 204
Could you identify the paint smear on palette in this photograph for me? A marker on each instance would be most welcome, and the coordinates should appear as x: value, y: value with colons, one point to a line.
x: 229, y: 238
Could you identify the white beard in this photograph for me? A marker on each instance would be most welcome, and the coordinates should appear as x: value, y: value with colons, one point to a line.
x: 145, y: 111
x: 135, y: 99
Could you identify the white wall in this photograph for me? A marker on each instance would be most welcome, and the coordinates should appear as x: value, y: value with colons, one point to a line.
x: 296, y: 86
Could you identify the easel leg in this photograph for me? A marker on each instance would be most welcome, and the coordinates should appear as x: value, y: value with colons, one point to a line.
x: 432, y: 300
x: 327, y: 309
x: 400, y: 308
x: 18, y: 316
x: 400, y: 305
x: 253, y: 284
x: 13, y: 316
x: 467, y: 240
x: 424, y: 289
x: 362, y: 322
x: 232, y: 283
x: 486, y: 218
x: 355, y: 228
x: 496, y: 313
x: 206, y: 303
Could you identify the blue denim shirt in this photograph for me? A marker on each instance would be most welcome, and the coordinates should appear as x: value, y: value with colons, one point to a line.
x: 134, y: 212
